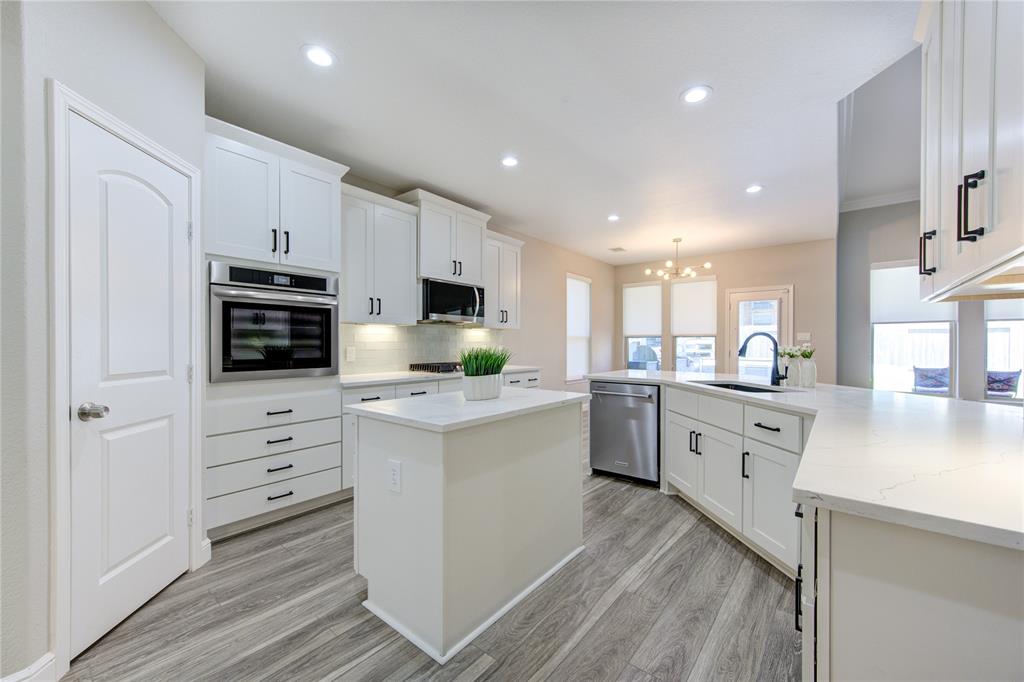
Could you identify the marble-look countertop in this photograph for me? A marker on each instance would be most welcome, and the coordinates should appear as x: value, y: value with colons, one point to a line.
x: 937, y: 464
x: 407, y: 377
x: 443, y: 412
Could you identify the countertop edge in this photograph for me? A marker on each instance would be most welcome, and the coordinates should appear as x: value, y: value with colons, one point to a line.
x: 416, y: 377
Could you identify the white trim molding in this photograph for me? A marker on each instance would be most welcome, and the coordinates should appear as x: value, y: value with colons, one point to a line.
x: 43, y: 670
x: 62, y: 103
x: 878, y: 200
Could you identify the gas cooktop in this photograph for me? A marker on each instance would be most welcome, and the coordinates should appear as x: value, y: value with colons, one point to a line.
x: 435, y: 367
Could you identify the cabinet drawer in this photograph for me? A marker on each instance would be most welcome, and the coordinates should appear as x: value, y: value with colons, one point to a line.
x: 242, y: 505
x: 417, y: 389
x: 683, y: 402
x: 232, y: 478
x: 355, y: 396
x: 522, y: 379
x: 234, y: 447
x: 724, y: 414
x: 240, y: 414
x: 775, y: 428
x: 449, y: 385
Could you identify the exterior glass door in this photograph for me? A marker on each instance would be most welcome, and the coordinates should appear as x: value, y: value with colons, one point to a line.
x: 763, y: 310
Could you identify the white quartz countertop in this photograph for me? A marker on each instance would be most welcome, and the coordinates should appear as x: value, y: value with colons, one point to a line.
x: 937, y: 464
x: 444, y: 412
x: 407, y: 377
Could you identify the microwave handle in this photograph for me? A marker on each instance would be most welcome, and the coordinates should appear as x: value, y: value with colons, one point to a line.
x: 476, y: 292
x: 273, y: 296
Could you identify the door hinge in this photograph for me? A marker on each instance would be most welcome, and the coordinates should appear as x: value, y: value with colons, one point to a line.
x: 191, y: 517
x: 190, y: 230
x: 190, y: 373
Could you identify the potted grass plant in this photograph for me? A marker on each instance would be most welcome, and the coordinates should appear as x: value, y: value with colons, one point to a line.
x: 482, y: 369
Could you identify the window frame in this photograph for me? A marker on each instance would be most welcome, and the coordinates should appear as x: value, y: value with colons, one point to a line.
x: 590, y: 327
x: 987, y: 397
x: 675, y: 343
x: 953, y: 387
x: 625, y: 349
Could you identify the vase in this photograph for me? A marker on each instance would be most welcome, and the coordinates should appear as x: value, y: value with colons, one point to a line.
x: 791, y: 368
x: 487, y: 387
x: 808, y: 372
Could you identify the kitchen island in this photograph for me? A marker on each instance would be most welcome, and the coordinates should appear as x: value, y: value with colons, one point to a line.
x: 463, y: 508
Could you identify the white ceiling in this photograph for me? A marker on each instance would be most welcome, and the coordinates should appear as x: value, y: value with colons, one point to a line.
x: 880, y: 150
x: 432, y: 95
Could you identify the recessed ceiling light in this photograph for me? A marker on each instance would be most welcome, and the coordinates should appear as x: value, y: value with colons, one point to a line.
x: 510, y: 162
x: 613, y: 218
x: 320, y: 56
x: 698, y: 93
x: 754, y: 189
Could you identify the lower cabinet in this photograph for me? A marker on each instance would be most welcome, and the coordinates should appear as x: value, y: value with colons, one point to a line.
x: 768, y: 520
x: 721, y: 485
x: 682, y: 463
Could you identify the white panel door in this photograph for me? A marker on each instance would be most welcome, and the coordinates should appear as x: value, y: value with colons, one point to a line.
x: 241, y: 201
x: 357, y: 275
x: 129, y: 323
x: 394, y: 266
x: 682, y: 464
x: 768, y: 507
x: 721, y: 486
x: 437, y: 243
x: 493, y: 315
x: 763, y: 310
x: 509, y: 288
x: 310, y: 217
x: 932, y: 233
x: 470, y: 251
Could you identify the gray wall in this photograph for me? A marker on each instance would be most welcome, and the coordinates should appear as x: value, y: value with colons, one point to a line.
x: 125, y: 59
x: 871, y: 235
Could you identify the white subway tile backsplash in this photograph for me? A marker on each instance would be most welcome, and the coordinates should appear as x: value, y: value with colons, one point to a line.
x: 384, y: 348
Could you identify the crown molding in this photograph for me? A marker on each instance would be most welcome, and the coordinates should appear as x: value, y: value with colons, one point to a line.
x: 880, y: 200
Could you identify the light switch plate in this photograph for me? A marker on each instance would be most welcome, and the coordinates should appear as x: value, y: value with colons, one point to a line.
x: 803, y: 336
x: 350, y: 353
x: 394, y: 476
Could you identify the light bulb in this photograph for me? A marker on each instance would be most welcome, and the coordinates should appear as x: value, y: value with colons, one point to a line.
x: 693, y: 274
x: 666, y: 275
x: 668, y: 264
x: 318, y: 55
x: 688, y: 270
x: 707, y: 266
x: 647, y: 271
x: 660, y: 273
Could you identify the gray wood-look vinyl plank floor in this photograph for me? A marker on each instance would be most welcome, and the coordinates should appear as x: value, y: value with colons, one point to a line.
x: 660, y: 593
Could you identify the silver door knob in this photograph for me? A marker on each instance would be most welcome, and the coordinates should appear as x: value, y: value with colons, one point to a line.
x: 87, y: 411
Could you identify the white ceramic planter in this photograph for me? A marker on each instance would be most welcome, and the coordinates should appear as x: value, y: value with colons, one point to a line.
x: 486, y: 387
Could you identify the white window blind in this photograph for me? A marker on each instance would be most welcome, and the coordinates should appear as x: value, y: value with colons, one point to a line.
x: 1004, y: 309
x: 695, y: 308
x: 641, y: 310
x: 577, y: 327
x: 896, y: 297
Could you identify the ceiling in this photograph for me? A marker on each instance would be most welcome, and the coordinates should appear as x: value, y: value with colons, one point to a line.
x: 432, y: 95
x: 880, y: 138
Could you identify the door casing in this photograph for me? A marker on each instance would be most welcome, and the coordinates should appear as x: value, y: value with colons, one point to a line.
x: 63, y: 101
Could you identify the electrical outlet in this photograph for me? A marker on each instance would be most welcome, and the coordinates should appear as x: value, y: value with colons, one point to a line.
x: 350, y: 353
x: 394, y: 476
x: 802, y: 337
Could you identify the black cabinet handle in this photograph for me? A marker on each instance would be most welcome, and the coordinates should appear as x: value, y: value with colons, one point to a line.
x: 367, y: 400
x: 776, y: 429
x: 515, y: 381
x: 922, y: 254
x: 460, y: 268
x: 743, y: 465
x: 273, y: 469
x: 418, y: 393
x: 271, y: 414
x: 799, y: 511
x: 278, y: 497
x: 378, y: 306
x: 454, y: 267
x: 533, y: 379
x: 287, y: 241
x: 273, y: 249
x: 696, y: 444
x: 280, y: 440
x: 970, y: 182
x: 797, y: 611
x: 692, y: 449
x: 371, y: 305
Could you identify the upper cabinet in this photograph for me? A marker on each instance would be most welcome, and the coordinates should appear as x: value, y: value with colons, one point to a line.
x: 265, y: 201
x: 451, y: 239
x: 502, y: 281
x: 972, y: 157
x: 378, y: 272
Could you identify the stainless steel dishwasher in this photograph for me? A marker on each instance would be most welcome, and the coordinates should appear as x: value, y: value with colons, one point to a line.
x: 624, y: 429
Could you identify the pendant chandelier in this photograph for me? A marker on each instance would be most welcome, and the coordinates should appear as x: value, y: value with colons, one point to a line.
x: 672, y: 269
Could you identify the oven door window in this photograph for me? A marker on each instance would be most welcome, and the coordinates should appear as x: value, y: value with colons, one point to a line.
x: 260, y: 337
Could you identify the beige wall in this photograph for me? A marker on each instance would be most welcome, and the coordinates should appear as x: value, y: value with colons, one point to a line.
x: 809, y: 266
x: 125, y: 59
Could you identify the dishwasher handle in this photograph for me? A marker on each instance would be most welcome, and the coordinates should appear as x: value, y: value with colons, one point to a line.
x: 624, y: 395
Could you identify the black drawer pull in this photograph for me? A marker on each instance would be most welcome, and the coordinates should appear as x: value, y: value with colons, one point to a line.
x: 367, y: 400
x: 922, y: 254
x: 533, y: 379
x: 797, y: 611
x: 272, y: 413
x: 279, y: 440
x: 743, y: 465
x: 966, y: 233
x: 799, y: 511
x: 418, y: 393
x: 273, y: 469
x: 278, y: 497
x: 696, y: 444
x: 515, y: 381
x: 776, y: 429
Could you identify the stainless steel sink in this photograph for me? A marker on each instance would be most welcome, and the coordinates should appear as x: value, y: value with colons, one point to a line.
x: 745, y: 388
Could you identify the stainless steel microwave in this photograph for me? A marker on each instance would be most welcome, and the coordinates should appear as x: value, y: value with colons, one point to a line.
x: 266, y: 324
x: 448, y: 302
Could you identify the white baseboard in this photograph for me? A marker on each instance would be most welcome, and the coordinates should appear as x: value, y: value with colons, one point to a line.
x: 396, y: 625
x: 43, y: 670
x: 205, y: 554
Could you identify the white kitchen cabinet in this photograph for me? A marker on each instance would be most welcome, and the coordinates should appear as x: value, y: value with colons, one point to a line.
x: 972, y: 161
x: 379, y: 256
x: 502, y: 281
x: 682, y: 463
x: 265, y: 201
x: 768, y: 519
x: 451, y: 239
x: 721, y: 490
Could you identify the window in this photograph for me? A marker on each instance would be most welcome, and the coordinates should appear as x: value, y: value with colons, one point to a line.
x: 1004, y: 349
x: 577, y: 327
x: 912, y: 342
x: 767, y: 310
x: 694, y: 324
x: 641, y: 325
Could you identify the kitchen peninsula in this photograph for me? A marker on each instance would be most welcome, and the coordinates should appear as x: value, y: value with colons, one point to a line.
x: 463, y: 508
